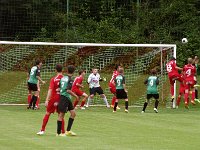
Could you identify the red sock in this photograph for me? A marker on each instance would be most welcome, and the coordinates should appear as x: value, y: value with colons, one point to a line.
x: 29, y: 98
x: 172, y: 90
x: 45, y: 121
x: 82, y: 103
x: 186, y: 98
x: 38, y: 102
x: 63, y: 126
x: 193, y: 95
x: 178, y: 100
x: 75, y: 103
x: 113, y: 100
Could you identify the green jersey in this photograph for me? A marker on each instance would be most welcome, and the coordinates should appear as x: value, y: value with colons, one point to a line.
x: 65, y: 84
x: 34, y: 72
x: 119, y: 81
x: 152, y: 83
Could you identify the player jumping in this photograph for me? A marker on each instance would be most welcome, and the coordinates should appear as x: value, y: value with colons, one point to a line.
x: 77, y: 84
x: 190, y: 80
x: 34, y: 77
x: 173, y: 75
x: 93, y: 81
x: 65, y: 103
x: 152, y: 82
x: 112, y: 86
x: 52, y: 99
x: 121, y: 91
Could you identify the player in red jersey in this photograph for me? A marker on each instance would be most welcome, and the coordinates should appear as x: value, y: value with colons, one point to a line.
x: 112, y: 86
x: 190, y: 80
x: 173, y: 74
x: 181, y: 91
x: 52, y: 99
x: 77, y: 84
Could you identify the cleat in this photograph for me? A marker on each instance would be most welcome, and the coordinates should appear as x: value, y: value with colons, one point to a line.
x: 172, y: 99
x: 193, y: 102
x: 62, y: 135
x: 142, y: 112
x: 114, y: 111
x: 118, y: 108
x: 156, y: 110
x: 70, y: 133
x: 108, y: 106
x: 82, y: 108
x: 40, y: 133
x: 197, y: 100
x: 112, y: 106
x: 126, y: 110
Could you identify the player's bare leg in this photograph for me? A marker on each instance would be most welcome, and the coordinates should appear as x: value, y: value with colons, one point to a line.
x: 70, y: 123
x: 83, y: 101
x: 105, y: 100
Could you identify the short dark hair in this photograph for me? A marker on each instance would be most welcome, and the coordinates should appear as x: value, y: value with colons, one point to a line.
x: 59, y: 68
x: 153, y: 71
x: 37, y: 62
x: 117, y: 66
x: 70, y: 69
x: 172, y: 58
x: 81, y: 71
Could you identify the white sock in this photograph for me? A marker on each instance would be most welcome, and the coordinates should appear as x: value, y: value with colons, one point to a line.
x: 88, y: 102
x: 106, y: 101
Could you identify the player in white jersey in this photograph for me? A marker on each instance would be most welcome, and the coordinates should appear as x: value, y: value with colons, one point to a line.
x: 93, y: 81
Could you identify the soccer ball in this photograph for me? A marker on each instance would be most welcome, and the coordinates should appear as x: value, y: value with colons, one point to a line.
x: 184, y: 40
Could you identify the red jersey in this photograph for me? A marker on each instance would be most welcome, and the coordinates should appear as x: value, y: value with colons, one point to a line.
x: 190, y: 72
x: 171, y: 68
x: 54, y: 86
x: 115, y: 74
x: 78, y: 80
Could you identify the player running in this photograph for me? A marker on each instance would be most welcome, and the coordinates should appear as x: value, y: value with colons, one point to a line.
x: 152, y: 82
x: 77, y: 84
x: 93, y: 81
x: 65, y: 103
x: 190, y: 80
x: 34, y: 77
x: 52, y: 99
x: 121, y: 91
x: 173, y: 75
x: 112, y: 85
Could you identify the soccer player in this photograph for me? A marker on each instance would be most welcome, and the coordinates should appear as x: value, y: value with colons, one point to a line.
x: 181, y: 91
x: 34, y: 77
x: 65, y: 103
x: 196, y: 62
x: 93, y: 81
x: 173, y: 75
x: 190, y: 80
x: 121, y: 91
x: 52, y: 99
x: 112, y: 85
x: 77, y: 84
x: 152, y: 82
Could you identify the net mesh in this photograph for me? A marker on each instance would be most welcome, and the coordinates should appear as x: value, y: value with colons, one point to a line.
x: 18, y: 59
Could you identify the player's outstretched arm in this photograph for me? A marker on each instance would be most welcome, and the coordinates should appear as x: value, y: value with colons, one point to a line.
x: 43, y: 82
x: 72, y: 94
x: 179, y: 68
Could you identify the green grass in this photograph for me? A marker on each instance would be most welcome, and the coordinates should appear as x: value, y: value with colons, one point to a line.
x: 99, y: 128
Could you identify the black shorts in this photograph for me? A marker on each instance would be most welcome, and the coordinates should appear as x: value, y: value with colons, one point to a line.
x: 121, y: 94
x: 156, y: 96
x: 32, y: 87
x: 65, y: 104
x: 95, y: 90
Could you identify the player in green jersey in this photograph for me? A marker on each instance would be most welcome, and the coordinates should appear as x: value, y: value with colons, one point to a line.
x: 33, y: 80
x: 152, y: 91
x: 65, y: 103
x: 121, y: 91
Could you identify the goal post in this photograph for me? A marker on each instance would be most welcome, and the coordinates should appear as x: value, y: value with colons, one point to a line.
x: 137, y: 59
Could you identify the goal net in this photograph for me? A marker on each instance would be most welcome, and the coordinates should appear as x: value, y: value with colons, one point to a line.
x: 137, y: 59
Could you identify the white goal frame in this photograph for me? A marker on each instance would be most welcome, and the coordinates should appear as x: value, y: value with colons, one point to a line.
x: 161, y: 46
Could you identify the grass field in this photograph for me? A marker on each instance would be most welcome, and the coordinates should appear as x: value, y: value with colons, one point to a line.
x: 99, y: 128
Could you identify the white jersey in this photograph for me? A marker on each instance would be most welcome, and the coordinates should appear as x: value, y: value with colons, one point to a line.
x: 93, y: 80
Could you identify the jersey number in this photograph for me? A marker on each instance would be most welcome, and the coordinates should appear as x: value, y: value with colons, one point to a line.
x: 188, y: 72
x: 169, y: 68
x: 32, y: 72
x: 62, y: 85
x: 118, y: 82
x: 151, y: 82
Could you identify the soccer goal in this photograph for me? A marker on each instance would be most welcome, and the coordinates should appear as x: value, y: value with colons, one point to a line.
x: 137, y: 59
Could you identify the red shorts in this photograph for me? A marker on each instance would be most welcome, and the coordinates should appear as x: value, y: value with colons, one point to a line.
x: 112, y: 88
x: 78, y: 92
x: 182, y: 90
x: 189, y: 84
x: 52, y: 106
x: 174, y: 77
